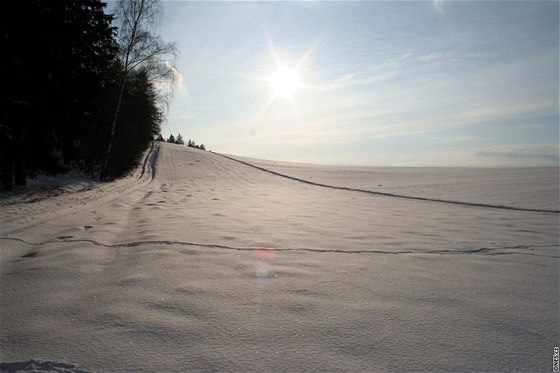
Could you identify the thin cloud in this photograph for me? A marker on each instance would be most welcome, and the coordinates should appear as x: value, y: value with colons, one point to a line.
x: 438, y: 5
x: 521, y: 152
x: 184, y: 116
x: 408, y: 64
x: 178, y: 84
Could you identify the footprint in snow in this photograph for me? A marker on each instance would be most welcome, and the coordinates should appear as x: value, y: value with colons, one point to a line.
x: 62, y: 238
x: 29, y: 255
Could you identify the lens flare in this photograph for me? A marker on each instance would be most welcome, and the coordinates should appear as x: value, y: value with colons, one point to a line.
x: 263, y: 261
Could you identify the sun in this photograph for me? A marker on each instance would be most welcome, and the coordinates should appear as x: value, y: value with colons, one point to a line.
x: 285, y: 82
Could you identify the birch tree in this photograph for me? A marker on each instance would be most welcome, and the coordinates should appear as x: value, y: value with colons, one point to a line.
x: 139, y: 49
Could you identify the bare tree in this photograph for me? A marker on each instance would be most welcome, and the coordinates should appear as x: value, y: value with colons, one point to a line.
x: 139, y: 48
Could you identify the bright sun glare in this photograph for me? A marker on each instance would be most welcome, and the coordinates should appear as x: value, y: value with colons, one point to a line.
x: 285, y: 83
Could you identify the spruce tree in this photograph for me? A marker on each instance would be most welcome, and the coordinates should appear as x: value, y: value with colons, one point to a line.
x: 57, y: 59
x: 179, y: 140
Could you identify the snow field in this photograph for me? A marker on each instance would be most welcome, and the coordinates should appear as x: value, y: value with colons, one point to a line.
x: 207, y: 264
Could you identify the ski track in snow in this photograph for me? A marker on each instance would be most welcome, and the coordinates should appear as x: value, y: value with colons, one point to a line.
x: 83, y: 199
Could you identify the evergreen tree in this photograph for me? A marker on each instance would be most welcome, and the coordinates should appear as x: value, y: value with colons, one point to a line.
x: 179, y: 140
x: 56, y: 62
x: 171, y: 139
x: 62, y: 83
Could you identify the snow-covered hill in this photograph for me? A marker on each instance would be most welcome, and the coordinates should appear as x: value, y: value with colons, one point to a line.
x: 204, y: 262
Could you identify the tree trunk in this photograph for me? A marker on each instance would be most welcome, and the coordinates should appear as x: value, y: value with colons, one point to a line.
x: 105, y: 166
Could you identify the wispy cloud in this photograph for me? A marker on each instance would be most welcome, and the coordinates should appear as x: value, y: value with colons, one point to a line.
x: 381, y: 104
x: 456, y: 139
x: 178, y: 83
x: 169, y: 83
x: 521, y: 152
x: 438, y: 5
x: 393, y: 68
x: 183, y: 116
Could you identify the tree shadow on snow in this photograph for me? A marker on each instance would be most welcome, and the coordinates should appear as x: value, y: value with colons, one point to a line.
x: 39, y: 366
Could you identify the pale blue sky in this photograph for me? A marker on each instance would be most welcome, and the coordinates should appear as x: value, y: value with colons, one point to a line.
x: 445, y: 83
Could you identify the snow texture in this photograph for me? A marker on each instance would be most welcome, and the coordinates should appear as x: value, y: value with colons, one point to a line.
x: 208, y: 262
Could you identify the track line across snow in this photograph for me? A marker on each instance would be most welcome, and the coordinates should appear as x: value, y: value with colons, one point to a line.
x: 393, y: 195
x: 478, y: 251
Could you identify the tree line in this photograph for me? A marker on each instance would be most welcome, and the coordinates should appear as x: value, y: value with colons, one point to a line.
x: 179, y: 140
x: 80, y: 92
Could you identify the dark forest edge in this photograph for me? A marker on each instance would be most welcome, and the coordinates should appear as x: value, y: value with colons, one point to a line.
x: 66, y: 83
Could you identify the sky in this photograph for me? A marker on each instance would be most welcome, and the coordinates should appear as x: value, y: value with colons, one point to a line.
x: 379, y: 83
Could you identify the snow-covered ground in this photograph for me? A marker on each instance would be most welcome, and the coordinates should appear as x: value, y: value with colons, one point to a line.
x: 202, y: 262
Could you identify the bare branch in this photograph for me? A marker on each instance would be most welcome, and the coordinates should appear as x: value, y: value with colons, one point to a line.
x: 141, y: 50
